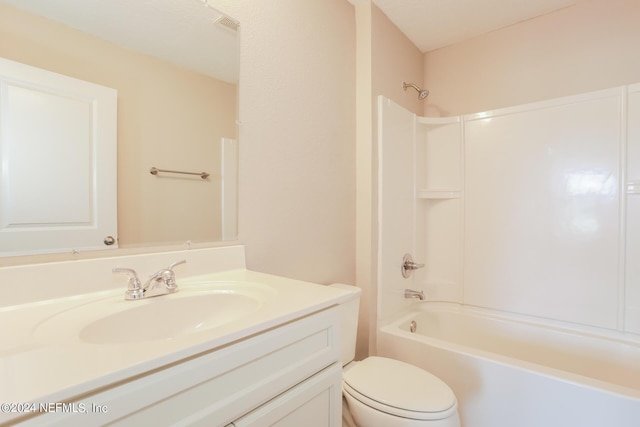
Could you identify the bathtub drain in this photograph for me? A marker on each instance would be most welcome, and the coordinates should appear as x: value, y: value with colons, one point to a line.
x: 413, y: 326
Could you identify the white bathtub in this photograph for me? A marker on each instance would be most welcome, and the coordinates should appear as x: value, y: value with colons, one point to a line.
x: 511, y: 372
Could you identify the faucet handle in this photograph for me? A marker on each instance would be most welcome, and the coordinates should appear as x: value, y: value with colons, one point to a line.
x: 134, y: 287
x: 170, y: 277
x: 408, y: 265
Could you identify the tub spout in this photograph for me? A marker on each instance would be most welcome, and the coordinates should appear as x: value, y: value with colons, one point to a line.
x: 410, y: 293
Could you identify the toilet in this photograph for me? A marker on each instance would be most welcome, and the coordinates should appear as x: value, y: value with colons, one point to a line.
x: 383, y: 392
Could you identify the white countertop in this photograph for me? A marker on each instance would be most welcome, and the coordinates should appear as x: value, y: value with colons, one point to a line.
x: 55, y: 369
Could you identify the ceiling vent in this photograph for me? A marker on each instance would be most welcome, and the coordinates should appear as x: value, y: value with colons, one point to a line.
x: 229, y: 23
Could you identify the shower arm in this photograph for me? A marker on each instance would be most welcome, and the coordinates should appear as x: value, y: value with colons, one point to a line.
x: 406, y: 85
x: 422, y: 93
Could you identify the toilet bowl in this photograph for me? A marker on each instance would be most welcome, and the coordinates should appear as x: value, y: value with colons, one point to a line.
x: 383, y: 392
x: 386, y: 392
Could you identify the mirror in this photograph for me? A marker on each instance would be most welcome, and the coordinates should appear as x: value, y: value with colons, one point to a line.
x: 174, y: 64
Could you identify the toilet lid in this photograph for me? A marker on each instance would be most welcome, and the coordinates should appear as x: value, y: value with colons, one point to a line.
x: 395, y: 387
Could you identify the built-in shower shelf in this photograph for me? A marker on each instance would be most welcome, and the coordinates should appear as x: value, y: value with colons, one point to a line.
x: 438, y: 194
x: 437, y: 121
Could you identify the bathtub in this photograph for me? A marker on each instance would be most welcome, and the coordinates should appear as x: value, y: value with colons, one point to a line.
x: 510, y: 371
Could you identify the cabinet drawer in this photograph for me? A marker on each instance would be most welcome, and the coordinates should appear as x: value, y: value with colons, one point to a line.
x: 316, y: 402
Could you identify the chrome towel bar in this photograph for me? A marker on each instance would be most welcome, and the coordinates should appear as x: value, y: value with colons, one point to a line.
x: 154, y: 171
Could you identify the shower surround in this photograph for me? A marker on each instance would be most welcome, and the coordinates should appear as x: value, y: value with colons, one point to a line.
x: 530, y: 211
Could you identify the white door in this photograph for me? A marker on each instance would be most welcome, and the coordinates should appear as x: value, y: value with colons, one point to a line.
x: 57, y: 162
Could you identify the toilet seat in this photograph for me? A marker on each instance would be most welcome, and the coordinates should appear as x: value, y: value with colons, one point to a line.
x: 399, y: 389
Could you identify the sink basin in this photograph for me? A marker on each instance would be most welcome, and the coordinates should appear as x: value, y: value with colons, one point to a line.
x: 168, y: 318
x: 196, y: 308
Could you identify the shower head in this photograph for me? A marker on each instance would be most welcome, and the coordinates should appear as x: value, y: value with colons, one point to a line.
x: 422, y: 94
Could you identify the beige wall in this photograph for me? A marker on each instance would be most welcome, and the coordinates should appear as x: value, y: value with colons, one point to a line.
x: 395, y: 60
x: 168, y: 117
x: 364, y: 178
x: 590, y: 46
x: 297, y: 151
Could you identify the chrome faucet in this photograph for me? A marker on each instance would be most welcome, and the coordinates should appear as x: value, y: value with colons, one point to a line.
x: 410, y: 293
x: 152, y: 287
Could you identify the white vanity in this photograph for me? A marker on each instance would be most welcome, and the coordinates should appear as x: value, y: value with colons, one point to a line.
x: 231, y: 348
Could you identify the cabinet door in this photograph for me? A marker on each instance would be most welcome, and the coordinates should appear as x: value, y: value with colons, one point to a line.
x: 57, y: 162
x: 316, y: 402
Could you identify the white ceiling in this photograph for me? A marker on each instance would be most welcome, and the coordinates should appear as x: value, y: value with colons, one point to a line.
x: 182, y: 31
x: 431, y: 24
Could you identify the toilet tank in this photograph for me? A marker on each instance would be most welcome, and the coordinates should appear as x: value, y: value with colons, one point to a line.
x: 349, y: 321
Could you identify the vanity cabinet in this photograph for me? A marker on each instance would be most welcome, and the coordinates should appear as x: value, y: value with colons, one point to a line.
x: 305, y: 404
x: 288, y: 375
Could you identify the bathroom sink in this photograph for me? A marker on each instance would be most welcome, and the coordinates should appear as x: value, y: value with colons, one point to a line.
x: 168, y: 318
x: 196, y: 308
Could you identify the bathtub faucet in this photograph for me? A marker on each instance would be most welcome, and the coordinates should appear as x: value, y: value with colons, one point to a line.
x: 410, y: 293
